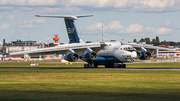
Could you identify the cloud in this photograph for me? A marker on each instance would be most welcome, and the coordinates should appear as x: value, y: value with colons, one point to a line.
x: 170, y: 25
x: 49, y: 10
x: 28, y: 2
x: 161, y: 31
x: 30, y: 23
x: 86, y: 5
x: 4, y: 26
x: 166, y: 23
x: 93, y: 29
x: 131, y: 5
x: 8, y: 17
x: 134, y: 28
x: 115, y: 27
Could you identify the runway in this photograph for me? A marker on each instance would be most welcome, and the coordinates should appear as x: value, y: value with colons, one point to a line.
x: 81, y: 68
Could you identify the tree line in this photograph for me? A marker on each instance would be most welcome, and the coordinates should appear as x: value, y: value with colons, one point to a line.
x: 156, y: 42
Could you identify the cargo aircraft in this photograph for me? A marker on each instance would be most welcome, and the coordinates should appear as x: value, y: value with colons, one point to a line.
x: 109, y: 54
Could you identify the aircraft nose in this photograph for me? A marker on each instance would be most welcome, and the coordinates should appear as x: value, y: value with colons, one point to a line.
x: 134, y: 55
x: 130, y: 57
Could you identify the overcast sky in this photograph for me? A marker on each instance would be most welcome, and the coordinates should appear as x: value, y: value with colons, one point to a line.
x: 128, y: 19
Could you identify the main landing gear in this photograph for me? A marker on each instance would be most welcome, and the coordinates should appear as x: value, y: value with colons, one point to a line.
x: 110, y: 65
x: 115, y: 65
x: 90, y: 65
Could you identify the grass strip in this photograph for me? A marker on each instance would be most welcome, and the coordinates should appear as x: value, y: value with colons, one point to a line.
x: 97, y: 85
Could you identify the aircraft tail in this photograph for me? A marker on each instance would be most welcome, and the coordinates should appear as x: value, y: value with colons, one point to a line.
x: 70, y: 26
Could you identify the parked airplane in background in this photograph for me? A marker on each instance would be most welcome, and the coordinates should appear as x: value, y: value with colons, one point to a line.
x: 110, y: 54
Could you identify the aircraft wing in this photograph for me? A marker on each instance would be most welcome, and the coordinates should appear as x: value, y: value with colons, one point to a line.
x: 148, y: 47
x: 61, y: 49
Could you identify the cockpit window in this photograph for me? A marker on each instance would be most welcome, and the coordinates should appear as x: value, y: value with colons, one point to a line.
x: 129, y: 48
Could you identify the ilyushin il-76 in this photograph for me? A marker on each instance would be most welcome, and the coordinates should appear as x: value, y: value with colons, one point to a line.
x: 109, y: 54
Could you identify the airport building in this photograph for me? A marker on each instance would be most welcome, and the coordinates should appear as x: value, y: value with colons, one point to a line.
x: 17, y: 46
x: 173, y: 52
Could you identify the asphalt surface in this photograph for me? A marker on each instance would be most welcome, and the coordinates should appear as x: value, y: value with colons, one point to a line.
x: 80, y: 68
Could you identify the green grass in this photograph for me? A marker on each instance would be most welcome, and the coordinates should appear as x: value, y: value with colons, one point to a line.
x: 90, y: 85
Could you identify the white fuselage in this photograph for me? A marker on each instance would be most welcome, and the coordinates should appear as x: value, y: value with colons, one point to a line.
x: 118, y: 52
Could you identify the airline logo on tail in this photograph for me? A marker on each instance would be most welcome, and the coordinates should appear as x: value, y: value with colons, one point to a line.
x: 70, y: 26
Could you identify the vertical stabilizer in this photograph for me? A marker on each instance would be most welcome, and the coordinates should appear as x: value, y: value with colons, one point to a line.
x: 70, y: 26
x: 72, y: 31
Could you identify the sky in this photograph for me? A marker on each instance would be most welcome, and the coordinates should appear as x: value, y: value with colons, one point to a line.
x: 121, y: 19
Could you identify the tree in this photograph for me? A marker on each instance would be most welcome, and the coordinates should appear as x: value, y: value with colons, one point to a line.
x: 157, y: 39
x: 153, y: 41
x: 134, y: 40
x: 172, y: 43
x: 166, y: 43
x: 142, y: 40
x: 147, y: 40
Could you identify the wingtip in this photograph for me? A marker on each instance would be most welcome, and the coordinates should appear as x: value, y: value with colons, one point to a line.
x: 37, y: 15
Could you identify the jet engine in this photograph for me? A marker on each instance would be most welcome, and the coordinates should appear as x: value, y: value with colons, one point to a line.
x: 90, y: 55
x: 144, y: 55
x: 138, y: 54
x: 71, y: 57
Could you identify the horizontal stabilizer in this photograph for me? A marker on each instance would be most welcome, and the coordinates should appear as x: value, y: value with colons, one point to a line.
x: 67, y: 17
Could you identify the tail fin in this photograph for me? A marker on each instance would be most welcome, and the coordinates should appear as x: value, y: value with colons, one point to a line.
x: 72, y: 31
x: 70, y: 26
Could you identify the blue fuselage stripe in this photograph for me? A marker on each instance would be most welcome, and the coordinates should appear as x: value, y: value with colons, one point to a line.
x: 106, y: 59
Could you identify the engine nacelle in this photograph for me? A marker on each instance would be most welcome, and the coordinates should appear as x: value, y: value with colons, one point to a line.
x: 145, y: 55
x: 90, y: 55
x: 138, y: 54
x: 71, y: 57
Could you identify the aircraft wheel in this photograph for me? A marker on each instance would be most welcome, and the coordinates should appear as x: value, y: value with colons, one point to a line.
x: 123, y: 65
x: 86, y: 66
x: 95, y: 65
x: 115, y: 65
x: 107, y: 66
x: 119, y: 66
x: 90, y: 66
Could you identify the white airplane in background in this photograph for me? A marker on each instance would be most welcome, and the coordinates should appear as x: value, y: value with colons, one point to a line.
x: 109, y: 54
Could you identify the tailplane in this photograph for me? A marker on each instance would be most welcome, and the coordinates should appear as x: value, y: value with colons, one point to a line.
x: 70, y: 26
